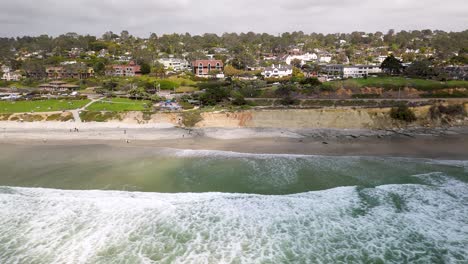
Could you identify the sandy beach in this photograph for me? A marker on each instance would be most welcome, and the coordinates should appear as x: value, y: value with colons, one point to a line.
x: 450, y: 143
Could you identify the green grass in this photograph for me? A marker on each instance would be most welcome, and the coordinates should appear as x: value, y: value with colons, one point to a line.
x: 392, y: 83
x: 90, y: 116
x: 186, y: 89
x: 40, y: 106
x: 119, y: 105
x: 182, y: 81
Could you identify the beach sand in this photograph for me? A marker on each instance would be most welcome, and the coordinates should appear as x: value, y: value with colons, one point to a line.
x: 451, y: 143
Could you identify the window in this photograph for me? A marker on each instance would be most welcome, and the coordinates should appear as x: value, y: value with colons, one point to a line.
x: 209, y: 67
x: 218, y: 66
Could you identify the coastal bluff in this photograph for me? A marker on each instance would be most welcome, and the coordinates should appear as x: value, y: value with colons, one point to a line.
x: 327, y: 118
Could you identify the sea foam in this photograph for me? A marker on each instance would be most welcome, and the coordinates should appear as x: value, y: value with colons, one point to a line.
x: 390, y: 223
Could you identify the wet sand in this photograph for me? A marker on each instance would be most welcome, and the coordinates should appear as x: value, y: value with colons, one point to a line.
x: 435, y: 144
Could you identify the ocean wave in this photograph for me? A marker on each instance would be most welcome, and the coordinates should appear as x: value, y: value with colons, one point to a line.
x: 390, y: 223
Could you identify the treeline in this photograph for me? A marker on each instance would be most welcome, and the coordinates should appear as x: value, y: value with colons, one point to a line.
x: 250, y: 45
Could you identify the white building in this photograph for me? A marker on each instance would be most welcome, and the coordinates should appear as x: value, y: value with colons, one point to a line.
x: 380, y: 59
x: 308, y: 57
x: 278, y: 71
x: 174, y: 64
x: 325, y: 58
x: 9, y: 75
x: 354, y: 71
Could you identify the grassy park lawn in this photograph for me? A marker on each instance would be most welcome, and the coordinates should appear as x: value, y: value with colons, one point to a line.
x: 397, y: 82
x: 119, y: 105
x: 40, y: 106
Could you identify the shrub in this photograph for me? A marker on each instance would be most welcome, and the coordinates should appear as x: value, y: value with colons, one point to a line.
x: 288, y: 100
x: 191, y: 118
x: 365, y: 96
x: 238, y: 99
x: 89, y: 116
x: 186, y: 105
x: 437, y: 111
x: 403, y: 113
x: 167, y: 85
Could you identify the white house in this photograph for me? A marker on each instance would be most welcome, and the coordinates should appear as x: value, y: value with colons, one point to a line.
x: 380, y: 59
x: 174, y: 64
x: 308, y: 57
x: 9, y: 75
x: 325, y: 58
x: 354, y: 71
x: 278, y: 71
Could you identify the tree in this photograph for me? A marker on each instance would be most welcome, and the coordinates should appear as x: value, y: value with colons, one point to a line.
x: 403, y: 113
x: 296, y: 63
x: 243, y: 60
x: 99, y: 68
x: 297, y: 74
x: 391, y: 65
x: 214, y: 95
x: 34, y: 69
x: 145, y: 68
x: 421, y: 69
x: 230, y: 71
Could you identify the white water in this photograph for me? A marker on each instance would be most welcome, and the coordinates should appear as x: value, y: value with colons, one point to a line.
x: 386, y: 224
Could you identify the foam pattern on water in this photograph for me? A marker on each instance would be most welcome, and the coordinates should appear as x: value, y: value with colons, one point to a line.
x: 391, y: 223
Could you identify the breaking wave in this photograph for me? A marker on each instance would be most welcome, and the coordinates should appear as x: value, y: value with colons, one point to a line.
x: 425, y: 223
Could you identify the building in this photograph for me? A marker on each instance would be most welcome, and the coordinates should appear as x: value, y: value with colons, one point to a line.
x: 10, y: 76
x: 174, y: 64
x: 70, y: 71
x: 325, y: 58
x: 203, y: 68
x: 354, y: 71
x: 305, y: 58
x: 130, y: 70
x: 278, y: 71
x: 457, y: 72
x: 58, y: 86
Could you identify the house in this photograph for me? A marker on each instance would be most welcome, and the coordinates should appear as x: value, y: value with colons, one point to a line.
x: 58, y: 86
x: 326, y: 58
x: 308, y: 57
x: 203, y: 68
x: 457, y: 72
x: 354, y: 71
x: 174, y: 64
x: 130, y: 70
x: 278, y: 71
x: 9, y: 75
x: 70, y: 71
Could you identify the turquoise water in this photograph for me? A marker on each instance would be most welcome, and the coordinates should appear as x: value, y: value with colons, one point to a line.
x: 101, y: 204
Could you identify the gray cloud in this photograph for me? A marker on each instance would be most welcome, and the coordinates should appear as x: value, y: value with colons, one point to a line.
x: 140, y: 17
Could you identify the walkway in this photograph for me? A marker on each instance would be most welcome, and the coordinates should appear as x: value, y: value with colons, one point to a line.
x: 76, y: 112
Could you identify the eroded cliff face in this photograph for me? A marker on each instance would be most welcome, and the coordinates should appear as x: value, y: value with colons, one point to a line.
x: 333, y: 118
x: 338, y: 118
x: 310, y: 118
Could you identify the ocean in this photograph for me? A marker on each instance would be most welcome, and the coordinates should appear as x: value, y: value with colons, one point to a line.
x: 105, y: 204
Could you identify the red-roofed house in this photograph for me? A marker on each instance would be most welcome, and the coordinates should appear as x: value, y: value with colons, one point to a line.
x: 132, y: 69
x: 204, y: 67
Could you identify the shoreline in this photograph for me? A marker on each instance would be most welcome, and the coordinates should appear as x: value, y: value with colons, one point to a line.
x: 450, y: 143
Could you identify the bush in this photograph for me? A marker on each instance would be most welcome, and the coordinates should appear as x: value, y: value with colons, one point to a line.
x: 437, y: 111
x: 167, y: 85
x: 403, y: 113
x: 365, y: 96
x: 238, y: 99
x: 191, y: 118
x: 289, y: 101
x: 186, y: 105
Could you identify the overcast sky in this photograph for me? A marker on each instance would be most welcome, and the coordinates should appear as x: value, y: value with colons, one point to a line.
x: 142, y: 17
